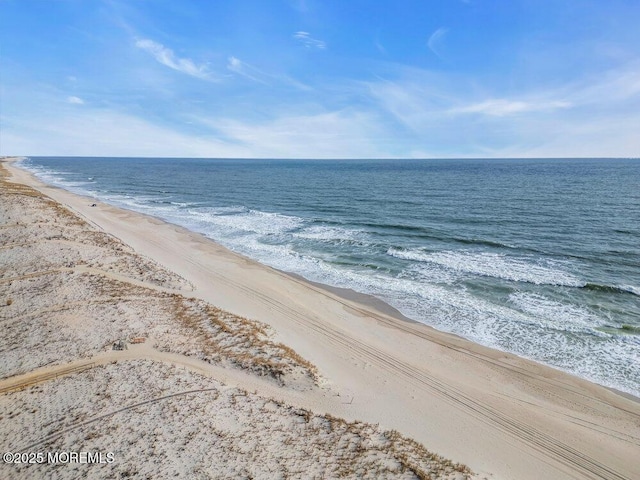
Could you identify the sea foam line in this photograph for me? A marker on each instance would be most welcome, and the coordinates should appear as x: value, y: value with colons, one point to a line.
x: 496, y: 265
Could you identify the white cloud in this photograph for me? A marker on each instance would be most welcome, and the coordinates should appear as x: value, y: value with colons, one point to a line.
x: 234, y: 64
x: 414, y: 102
x: 308, y: 41
x: 166, y: 57
x: 97, y: 132
x: 75, y: 100
x: 436, y: 40
x: 242, y: 68
x: 421, y: 114
x: 576, y: 137
x: 452, y: 117
x: 337, y: 134
x: 253, y: 73
x: 94, y: 131
x: 615, y: 86
x: 503, y: 107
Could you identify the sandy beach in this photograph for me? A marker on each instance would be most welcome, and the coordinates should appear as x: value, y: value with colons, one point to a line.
x: 255, y: 373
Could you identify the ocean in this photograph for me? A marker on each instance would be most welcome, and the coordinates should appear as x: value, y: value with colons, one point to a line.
x: 538, y: 257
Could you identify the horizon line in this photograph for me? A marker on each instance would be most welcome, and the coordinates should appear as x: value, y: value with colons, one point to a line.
x: 4, y: 157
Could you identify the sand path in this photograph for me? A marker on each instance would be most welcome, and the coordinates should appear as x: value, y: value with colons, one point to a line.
x: 145, y: 351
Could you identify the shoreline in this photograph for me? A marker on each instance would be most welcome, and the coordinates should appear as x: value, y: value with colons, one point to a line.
x: 375, y: 303
x: 372, y: 302
x: 209, y: 382
x: 367, y: 300
x: 466, y: 386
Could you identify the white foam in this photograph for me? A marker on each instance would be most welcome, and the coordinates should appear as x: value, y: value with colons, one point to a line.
x: 584, y: 352
x: 59, y: 179
x: 248, y: 221
x: 561, y: 316
x: 331, y: 234
x: 496, y: 265
x: 430, y: 273
x: 631, y: 289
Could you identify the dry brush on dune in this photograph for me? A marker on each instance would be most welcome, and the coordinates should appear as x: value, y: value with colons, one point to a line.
x: 71, y: 290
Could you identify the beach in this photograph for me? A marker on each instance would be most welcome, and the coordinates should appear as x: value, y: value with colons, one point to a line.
x: 312, y: 366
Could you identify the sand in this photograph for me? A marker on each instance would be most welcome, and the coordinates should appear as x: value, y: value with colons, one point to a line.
x: 253, y: 328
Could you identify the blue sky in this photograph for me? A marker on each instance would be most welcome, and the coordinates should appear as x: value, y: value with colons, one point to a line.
x: 320, y: 79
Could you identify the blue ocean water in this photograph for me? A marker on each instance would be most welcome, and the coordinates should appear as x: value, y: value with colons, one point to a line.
x: 536, y: 257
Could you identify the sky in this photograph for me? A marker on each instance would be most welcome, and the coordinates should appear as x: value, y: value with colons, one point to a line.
x: 320, y: 78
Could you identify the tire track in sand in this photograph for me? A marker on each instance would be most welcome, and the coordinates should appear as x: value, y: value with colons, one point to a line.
x: 540, y: 441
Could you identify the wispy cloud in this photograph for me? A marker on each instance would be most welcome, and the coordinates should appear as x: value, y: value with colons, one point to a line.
x: 308, y: 41
x: 85, y: 132
x: 166, y: 57
x: 592, y: 116
x: 290, y: 132
x: 620, y: 86
x: 252, y: 72
x: 336, y: 134
x: 75, y: 100
x: 415, y: 101
x: 436, y: 40
x: 504, y: 107
x: 242, y: 68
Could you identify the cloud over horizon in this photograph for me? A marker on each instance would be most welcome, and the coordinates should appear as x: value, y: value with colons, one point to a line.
x: 208, y: 79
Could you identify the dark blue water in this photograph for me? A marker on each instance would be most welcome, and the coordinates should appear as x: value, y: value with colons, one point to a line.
x: 536, y: 257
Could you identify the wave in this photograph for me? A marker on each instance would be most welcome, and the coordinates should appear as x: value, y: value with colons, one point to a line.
x: 416, y: 231
x: 513, y: 268
x: 332, y: 234
x: 626, y: 232
x: 58, y: 178
x: 479, y: 241
x: 557, y: 315
x: 430, y: 273
x: 622, y: 289
x: 630, y: 328
x: 244, y: 220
